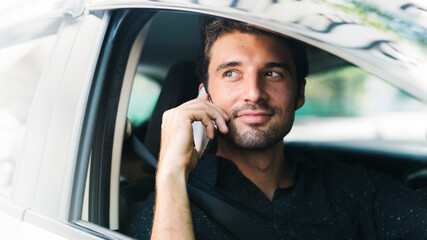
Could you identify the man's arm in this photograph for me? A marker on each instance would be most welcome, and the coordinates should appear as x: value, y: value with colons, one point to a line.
x: 177, y: 158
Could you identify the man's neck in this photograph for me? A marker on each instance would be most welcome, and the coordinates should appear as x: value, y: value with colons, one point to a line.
x: 267, y: 168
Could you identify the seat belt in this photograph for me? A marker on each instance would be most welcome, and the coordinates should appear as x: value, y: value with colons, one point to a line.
x: 229, y: 216
x: 141, y: 151
x: 223, y: 212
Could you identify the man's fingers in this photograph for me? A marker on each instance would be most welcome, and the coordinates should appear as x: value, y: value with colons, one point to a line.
x: 200, y: 109
x: 204, y: 97
x: 224, y: 114
x: 214, y: 112
x: 207, y: 122
x: 215, y: 115
x: 204, y: 100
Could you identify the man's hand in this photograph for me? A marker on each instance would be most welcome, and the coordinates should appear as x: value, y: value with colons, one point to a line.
x: 177, y: 158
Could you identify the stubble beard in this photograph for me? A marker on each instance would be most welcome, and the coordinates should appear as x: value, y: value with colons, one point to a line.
x: 258, y: 137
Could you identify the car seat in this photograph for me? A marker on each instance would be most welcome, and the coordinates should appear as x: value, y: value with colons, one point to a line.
x: 180, y: 86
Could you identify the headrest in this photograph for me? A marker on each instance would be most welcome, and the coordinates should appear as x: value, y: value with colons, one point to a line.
x: 179, y: 86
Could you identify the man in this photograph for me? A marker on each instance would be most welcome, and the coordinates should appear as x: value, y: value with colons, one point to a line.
x: 255, y: 82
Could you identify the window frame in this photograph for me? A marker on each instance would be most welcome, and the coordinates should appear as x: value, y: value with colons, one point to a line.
x: 102, y: 135
x: 103, y: 121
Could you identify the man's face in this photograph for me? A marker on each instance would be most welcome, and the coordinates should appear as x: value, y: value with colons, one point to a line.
x: 252, y: 78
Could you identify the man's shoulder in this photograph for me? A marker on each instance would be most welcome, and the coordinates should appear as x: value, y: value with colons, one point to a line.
x: 337, y: 172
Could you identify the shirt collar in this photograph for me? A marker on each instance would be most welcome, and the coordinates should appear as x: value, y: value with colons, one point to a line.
x: 208, y: 167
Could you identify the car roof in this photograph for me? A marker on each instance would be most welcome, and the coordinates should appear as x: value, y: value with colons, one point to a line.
x: 388, y: 39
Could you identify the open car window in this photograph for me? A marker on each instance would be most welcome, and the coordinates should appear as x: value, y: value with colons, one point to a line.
x: 343, y: 102
x: 349, y: 104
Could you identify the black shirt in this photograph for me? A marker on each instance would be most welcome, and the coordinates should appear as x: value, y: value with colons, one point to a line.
x: 328, y: 200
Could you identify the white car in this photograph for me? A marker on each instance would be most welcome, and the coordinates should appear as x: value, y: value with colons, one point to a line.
x: 83, y: 85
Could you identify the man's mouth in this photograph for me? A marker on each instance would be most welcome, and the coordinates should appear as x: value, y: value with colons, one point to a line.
x: 254, y: 117
x: 253, y: 114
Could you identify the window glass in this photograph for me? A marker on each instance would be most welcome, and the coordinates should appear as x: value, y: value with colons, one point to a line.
x: 21, y: 67
x: 350, y: 104
x: 144, y: 95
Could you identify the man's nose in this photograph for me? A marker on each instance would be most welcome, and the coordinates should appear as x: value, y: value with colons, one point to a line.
x: 253, y: 89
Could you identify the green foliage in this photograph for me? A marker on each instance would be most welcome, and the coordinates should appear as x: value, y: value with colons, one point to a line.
x: 338, y: 92
x: 145, y: 93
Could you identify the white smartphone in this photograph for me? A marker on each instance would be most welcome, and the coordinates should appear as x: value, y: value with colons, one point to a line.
x: 201, y: 141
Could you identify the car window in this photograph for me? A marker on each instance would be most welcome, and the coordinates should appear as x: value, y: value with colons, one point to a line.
x: 173, y: 37
x: 347, y: 103
x: 329, y: 97
x: 120, y: 93
x: 21, y: 67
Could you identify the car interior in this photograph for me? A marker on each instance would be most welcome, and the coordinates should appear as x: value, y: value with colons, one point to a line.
x: 165, y: 78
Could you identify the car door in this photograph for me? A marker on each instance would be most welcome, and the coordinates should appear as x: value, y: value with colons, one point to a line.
x: 67, y: 181
x: 25, y: 50
x: 59, y: 55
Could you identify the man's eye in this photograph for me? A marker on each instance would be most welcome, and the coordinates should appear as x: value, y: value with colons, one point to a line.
x: 230, y: 74
x: 272, y: 74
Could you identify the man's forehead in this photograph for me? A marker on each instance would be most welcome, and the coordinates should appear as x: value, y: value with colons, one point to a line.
x: 257, y: 35
x: 236, y: 47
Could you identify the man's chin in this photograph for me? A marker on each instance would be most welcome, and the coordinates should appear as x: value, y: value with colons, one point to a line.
x: 253, y: 140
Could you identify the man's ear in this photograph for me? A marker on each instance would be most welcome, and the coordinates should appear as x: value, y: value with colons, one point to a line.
x: 301, y: 96
x: 201, y: 85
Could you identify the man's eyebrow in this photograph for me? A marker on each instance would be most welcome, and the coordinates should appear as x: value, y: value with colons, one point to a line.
x: 285, y: 66
x: 227, y: 65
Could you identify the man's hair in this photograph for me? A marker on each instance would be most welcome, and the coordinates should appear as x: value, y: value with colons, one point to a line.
x: 212, y: 28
